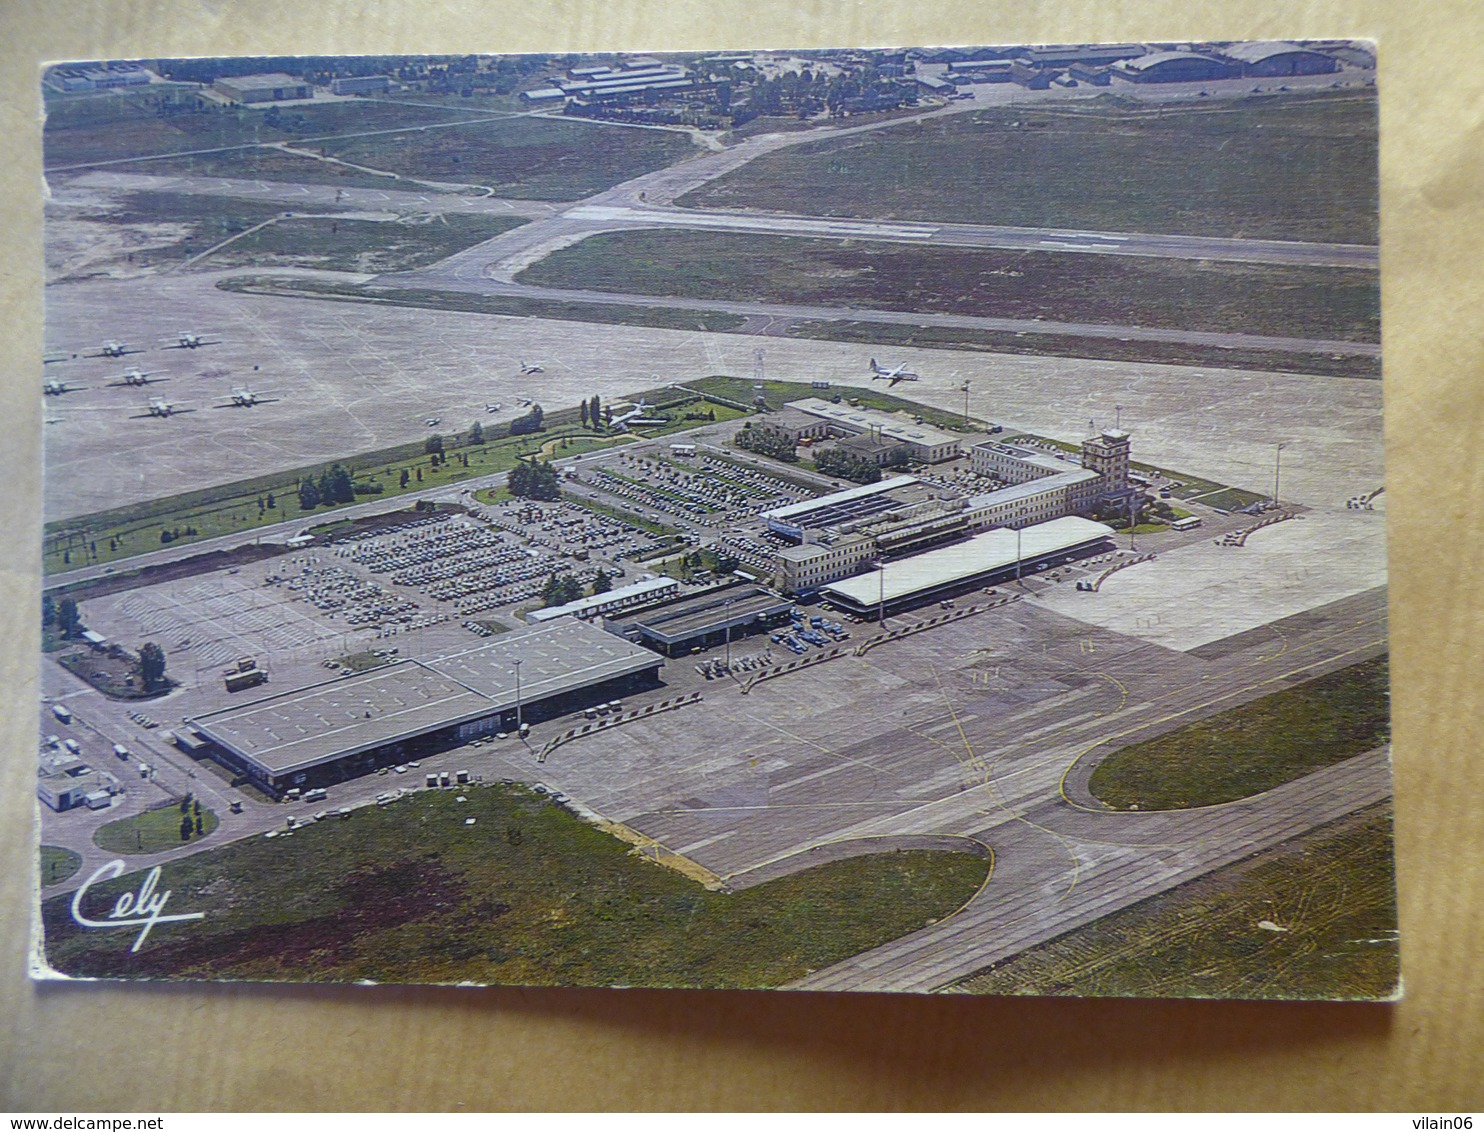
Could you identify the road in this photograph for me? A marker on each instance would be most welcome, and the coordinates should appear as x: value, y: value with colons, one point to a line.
x: 1117, y: 860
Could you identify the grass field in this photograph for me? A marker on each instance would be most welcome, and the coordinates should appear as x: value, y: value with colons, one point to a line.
x: 665, y: 318
x: 158, y: 120
x: 503, y: 887
x: 1331, y: 896
x: 1077, y: 346
x: 359, y: 245
x: 153, y: 831
x: 265, y: 164
x: 1255, y: 747
x: 57, y: 864
x: 192, y: 223
x: 527, y: 158
x: 1264, y: 299
x: 1288, y: 168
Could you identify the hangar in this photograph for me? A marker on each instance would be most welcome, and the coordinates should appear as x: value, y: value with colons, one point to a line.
x: 332, y: 731
x: 1175, y: 67
x: 274, y: 87
x: 952, y: 569
x: 1279, y: 60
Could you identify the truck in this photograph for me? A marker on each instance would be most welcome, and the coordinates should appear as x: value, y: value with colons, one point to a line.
x: 121, y: 751
x: 61, y: 712
x: 245, y: 678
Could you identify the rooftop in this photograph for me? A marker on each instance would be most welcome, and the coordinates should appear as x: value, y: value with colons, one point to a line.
x: 863, y: 420
x: 982, y: 554
x: 326, y: 721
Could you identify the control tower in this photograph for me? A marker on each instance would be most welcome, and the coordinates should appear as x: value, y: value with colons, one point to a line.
x: 1107, y: 455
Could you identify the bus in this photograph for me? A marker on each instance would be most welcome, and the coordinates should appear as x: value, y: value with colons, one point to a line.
x: 1189, y: 523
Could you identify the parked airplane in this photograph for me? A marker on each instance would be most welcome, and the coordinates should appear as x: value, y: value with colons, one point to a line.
x: 492, y: 407
x: 135, y: 376
x: 531, y: 367
x: 245, y: 398
x: 190, y: 340
x: 51, y: 387
x: 636, y: 412
x: 114, y: 349
x: 431, y: 421
x: 159, y: 407
x: 892, y: 376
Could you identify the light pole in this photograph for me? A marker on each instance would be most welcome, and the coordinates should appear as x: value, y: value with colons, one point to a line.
x: 1277, y: 470
x: 965, y: 389
x: 881, y: 607
x: 517, y: 695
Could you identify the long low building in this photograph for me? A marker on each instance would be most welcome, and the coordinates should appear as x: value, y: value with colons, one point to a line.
x: 331, y: 731
x: 704, y: 620
x: 625, y: 597
x: 977, y: 561
x: 928, y: 444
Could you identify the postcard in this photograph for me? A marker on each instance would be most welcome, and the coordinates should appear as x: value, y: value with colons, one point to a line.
x: 893, y: 520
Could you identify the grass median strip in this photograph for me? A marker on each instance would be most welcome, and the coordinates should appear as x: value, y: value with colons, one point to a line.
x: 1253, y: 748
x: 500, y: 885
x: 1119, y: 290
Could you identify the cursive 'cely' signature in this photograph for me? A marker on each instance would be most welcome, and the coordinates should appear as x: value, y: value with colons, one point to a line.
x: 145, y: 907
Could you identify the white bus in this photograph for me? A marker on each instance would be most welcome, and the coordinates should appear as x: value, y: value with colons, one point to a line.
x: 1189, y: 523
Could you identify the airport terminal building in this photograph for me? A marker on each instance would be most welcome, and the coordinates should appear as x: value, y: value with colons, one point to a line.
x: 336, y: 730
x: 994, y: 556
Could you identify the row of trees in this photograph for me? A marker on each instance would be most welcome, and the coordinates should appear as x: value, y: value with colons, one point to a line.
x: 563, y: 587
x: 766, y: 442
x: 333, y: 486
x: 593, y: 413
x: 837, y: 462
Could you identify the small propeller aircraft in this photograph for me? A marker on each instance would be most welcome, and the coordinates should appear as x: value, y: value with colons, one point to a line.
x: 135, y: 376
x: 892, y: 376
x: 51, y: 387
x: 114, y: 349
x: 189, y: 340
x: 531, y: 367
x: 245, y: 398
x: 159, y: 407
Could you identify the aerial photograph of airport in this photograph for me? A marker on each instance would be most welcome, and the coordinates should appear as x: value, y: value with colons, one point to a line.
x: 895, y: 520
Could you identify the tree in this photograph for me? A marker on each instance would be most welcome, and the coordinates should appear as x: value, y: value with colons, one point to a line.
x: 272, y: 503
x: 531, y: 422
x: 48, y: 611
x: 309, y: 497
x: 186, y: 825
x: 476, y: 433
x: 582, y: 405
x: 533, y: 479
x: 602, y: 583
x: 560, y: 589
x: 67, y: 617
x: 151, y: 665
x: 595, y: 412
x: 405, y: 477
x: 433, y: 446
